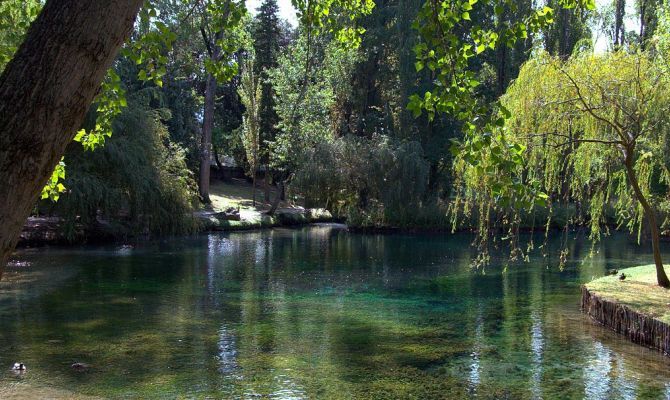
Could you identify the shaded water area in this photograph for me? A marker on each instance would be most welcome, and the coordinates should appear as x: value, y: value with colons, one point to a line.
x: 316, y: 313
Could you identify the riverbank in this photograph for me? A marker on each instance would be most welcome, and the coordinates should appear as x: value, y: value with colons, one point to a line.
x: 212, y: 221
x: 231, y: 209
x: 635, y: 307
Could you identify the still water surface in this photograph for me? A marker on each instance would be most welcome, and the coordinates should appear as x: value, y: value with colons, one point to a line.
x: 316, y: 313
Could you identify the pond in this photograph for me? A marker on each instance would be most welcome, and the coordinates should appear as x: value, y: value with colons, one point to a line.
x: 317, y: 313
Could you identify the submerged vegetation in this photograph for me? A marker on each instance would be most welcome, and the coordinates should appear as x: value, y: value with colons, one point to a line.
x: 320, y: 313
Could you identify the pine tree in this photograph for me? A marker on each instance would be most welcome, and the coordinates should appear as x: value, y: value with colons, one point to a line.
x: 266, y: 36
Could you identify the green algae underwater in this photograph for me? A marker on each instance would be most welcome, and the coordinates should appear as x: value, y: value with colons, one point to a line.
x: 317, y: 313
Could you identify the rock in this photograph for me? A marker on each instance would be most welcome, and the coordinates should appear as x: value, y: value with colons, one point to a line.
x: 229, y: 214
x: 291, y: 216
x: 319, y: 215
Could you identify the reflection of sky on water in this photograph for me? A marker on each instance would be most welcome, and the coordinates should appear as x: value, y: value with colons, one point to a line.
x: 228, y: 354
x: 475, y: 367
x: 597, y: 373
x: 536, y: 345
x: 287, y: 389
x: 605, y: 375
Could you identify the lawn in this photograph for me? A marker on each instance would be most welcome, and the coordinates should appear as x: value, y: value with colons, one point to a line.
x: 239, y: 193
x: 639, y: 291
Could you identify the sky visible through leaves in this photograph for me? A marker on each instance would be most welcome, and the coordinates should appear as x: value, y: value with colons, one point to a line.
x: 287, y: 12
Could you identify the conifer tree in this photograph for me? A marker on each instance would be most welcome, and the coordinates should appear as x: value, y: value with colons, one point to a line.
x: 266, y: 36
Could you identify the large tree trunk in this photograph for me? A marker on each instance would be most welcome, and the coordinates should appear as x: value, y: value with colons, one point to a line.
x: 206, y: 140
x: 278, y: 198
x: 45, y: 92
x: 650, y: 215
x: 619, y: 28
x: 253, y: 190
x: 207, y: 125
x: 266, y: 184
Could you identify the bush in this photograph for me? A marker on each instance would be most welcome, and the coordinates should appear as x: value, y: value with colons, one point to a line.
x: 373, y: 182
x: 138, y: 183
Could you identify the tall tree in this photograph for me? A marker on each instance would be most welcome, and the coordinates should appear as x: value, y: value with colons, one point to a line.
x: 251, y: 95
x: 267, y: 38
x: 619, y: 25
x: 222, y: 30
x: 648, y: 16
x: 45, y: 91
x: 596, y: 126
x: 570, y: 26
x: 214, y: 52
x: 266, y: 35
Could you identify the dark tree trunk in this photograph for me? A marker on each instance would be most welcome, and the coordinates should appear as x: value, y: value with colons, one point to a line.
x: 218, y: 161
x: 253, y: 189
x: 650, y: 215
x: 564, y: 45
x: 207, y: 125
x: 206, y: 140
x: 501, y: 60
x: 643, y: 22
x: 45, y: 92
x: 266, y: 184
x: 619, y: 29
x: 277, y: 200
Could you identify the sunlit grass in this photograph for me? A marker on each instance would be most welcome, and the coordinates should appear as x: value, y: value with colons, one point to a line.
x: 639, y: 291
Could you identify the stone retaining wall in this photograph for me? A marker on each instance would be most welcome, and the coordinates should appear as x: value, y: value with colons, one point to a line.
x: 638, y: 328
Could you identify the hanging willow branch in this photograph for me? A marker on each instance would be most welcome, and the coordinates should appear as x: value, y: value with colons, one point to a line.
x: 594, y: 131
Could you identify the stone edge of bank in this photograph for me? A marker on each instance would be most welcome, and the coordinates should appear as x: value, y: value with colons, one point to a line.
x: 635, y: 326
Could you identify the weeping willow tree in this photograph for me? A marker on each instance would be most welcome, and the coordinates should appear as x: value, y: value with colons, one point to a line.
x: 250, y: 93
x: 592, y: 130
x: 137, y: 184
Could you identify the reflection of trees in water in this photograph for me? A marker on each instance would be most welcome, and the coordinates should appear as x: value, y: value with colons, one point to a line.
x: 288, y: 310
x: 536, y: 309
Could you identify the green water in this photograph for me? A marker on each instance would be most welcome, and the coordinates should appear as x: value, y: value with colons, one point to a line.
x: 316, y: 313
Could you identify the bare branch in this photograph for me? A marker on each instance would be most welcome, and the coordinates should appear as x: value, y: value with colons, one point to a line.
x: 590, y: 109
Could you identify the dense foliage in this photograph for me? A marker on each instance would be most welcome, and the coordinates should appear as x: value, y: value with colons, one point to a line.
x: 483, y: 114
x: 137, y: 184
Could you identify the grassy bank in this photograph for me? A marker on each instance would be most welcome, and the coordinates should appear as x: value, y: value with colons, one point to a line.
x: 239, y: 194
x: 636, y: 307
x: 638, y: 291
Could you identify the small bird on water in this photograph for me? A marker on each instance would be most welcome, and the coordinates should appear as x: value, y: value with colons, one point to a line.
x: 622, y: 276
x: 79, y: 366
x: 20, y: 367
